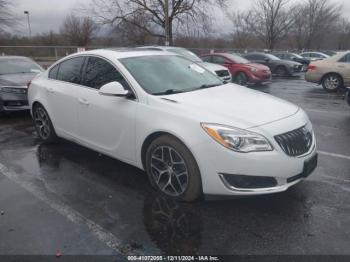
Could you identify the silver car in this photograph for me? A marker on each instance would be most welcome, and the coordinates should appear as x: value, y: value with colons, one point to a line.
x: 16, y: 72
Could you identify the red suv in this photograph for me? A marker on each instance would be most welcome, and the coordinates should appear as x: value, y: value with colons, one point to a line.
x: 243, y: 71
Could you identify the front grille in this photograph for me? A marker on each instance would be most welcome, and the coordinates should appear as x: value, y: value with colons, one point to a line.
x: 296, y: 142
x: 222, y: 73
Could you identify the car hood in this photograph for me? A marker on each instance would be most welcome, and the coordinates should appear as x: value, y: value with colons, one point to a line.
x: 230, y: 104
x: 16, y: 79
x: 212, y: 67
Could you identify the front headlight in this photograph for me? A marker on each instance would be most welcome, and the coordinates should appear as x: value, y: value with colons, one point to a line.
x: 253, y: 69
x: 236, y: 139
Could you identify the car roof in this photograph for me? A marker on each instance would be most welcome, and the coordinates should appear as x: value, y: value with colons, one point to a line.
x: 120, y: 53
x: 159, y: 47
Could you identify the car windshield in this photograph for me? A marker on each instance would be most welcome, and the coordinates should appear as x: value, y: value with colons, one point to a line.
x: 237, y: 59
x: 167, y: 74
x: 271, y: 57
x: 18, y: 66
x: 297, y: 56
x: 186, y: 53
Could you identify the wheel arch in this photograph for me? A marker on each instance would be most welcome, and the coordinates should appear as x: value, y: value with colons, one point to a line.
x: 332, y: 73
x: 151, y: 137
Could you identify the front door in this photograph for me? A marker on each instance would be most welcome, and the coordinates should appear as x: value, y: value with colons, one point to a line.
x: 106, y: 123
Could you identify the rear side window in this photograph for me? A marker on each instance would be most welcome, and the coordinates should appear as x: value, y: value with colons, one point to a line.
x: 53, y: 72
x: 70, y: 70
x: 99, y: 72
x: 345, y: 59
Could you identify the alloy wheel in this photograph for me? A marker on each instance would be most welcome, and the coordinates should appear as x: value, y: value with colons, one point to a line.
x: 332, y: 83
x: 169, y: 171
x: 42, y: 123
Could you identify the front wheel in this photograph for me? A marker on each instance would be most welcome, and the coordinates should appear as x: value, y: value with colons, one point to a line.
x: 172, y: 169
x: 281, y: 71
x: 241, y: 79
x: 43, y: 124
x: 332, y: 83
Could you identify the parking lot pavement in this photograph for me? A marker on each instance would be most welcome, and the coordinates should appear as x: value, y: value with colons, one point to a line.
x: 68, y: 198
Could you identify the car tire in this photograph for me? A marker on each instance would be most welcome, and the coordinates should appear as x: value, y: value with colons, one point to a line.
x: 172, y: 169
x: 281, y: 71
x: 241, y: 79
x: 332, y: 83
x: 43, y: 124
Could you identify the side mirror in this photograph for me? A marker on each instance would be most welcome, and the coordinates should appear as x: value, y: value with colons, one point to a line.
x: 113, y: 89
x: 266, y: 59
x: 294, y: 58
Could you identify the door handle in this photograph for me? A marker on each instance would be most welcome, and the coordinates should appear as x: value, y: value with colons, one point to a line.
x: 84, y: 101
x: 50, y: 90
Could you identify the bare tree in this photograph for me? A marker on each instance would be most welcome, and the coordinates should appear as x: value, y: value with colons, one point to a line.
x: 242, y: 33
x: 314, y: 19
x: 271, y: 21
x: 6, y: 16
x: 155, y: 13
x: 78, y: 31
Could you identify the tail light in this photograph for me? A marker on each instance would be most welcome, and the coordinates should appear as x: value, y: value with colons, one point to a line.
x: 311, y: 68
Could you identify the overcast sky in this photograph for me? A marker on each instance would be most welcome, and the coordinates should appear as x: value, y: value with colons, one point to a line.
x: 48, y: 15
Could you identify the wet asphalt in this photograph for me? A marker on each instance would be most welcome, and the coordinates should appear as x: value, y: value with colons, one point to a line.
x: 68, y: 199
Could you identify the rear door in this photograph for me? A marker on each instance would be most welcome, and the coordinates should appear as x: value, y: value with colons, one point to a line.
x: 106, y: 123
x: 62, y: 90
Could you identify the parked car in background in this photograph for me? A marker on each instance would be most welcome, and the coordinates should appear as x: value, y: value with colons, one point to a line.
x: 277, y: 66
x: 330, y: 52
x: 219, y: 70
x: 15, y: 74
x: 243, y: 71
x: 314, y: 56
x: 190, y: 132
x: 293, y: 57
x: 333, y: 73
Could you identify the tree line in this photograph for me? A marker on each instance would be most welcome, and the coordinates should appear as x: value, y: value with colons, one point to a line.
x: 267, y: 24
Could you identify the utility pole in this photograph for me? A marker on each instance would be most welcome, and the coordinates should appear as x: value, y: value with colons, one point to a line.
x: 29, y: 28
x: 167, y: 33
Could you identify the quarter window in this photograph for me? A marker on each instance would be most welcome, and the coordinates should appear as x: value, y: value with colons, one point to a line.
x: 70, y: 70
x: 99, y: 72
x: 53, y: 72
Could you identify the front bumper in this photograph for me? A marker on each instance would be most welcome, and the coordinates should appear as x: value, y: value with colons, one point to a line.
x: 10, y: 102
x: 214, y: 160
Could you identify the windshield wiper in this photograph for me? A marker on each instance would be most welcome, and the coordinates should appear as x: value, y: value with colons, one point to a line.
x: 206, y: 86
x: 170, y: 92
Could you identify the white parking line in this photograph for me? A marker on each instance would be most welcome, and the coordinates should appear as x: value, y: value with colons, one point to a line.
x: 334, y: 155
x: 104, y: 236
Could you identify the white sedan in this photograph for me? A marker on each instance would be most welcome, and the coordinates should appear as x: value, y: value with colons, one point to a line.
x: 190, y: 132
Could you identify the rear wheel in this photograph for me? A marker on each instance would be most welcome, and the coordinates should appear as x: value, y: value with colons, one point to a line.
x: 43, y: 124
x: 172, y: 169
x: 241, y: 79
x: 332, y: 83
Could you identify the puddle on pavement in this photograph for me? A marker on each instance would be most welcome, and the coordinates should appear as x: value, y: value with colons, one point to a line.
x: 118, y: 197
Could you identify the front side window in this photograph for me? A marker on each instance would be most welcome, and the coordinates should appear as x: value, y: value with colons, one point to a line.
x: 207, y: 59
x: 99, y: 72
x: 70, y: 70
x: 166, y: 74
